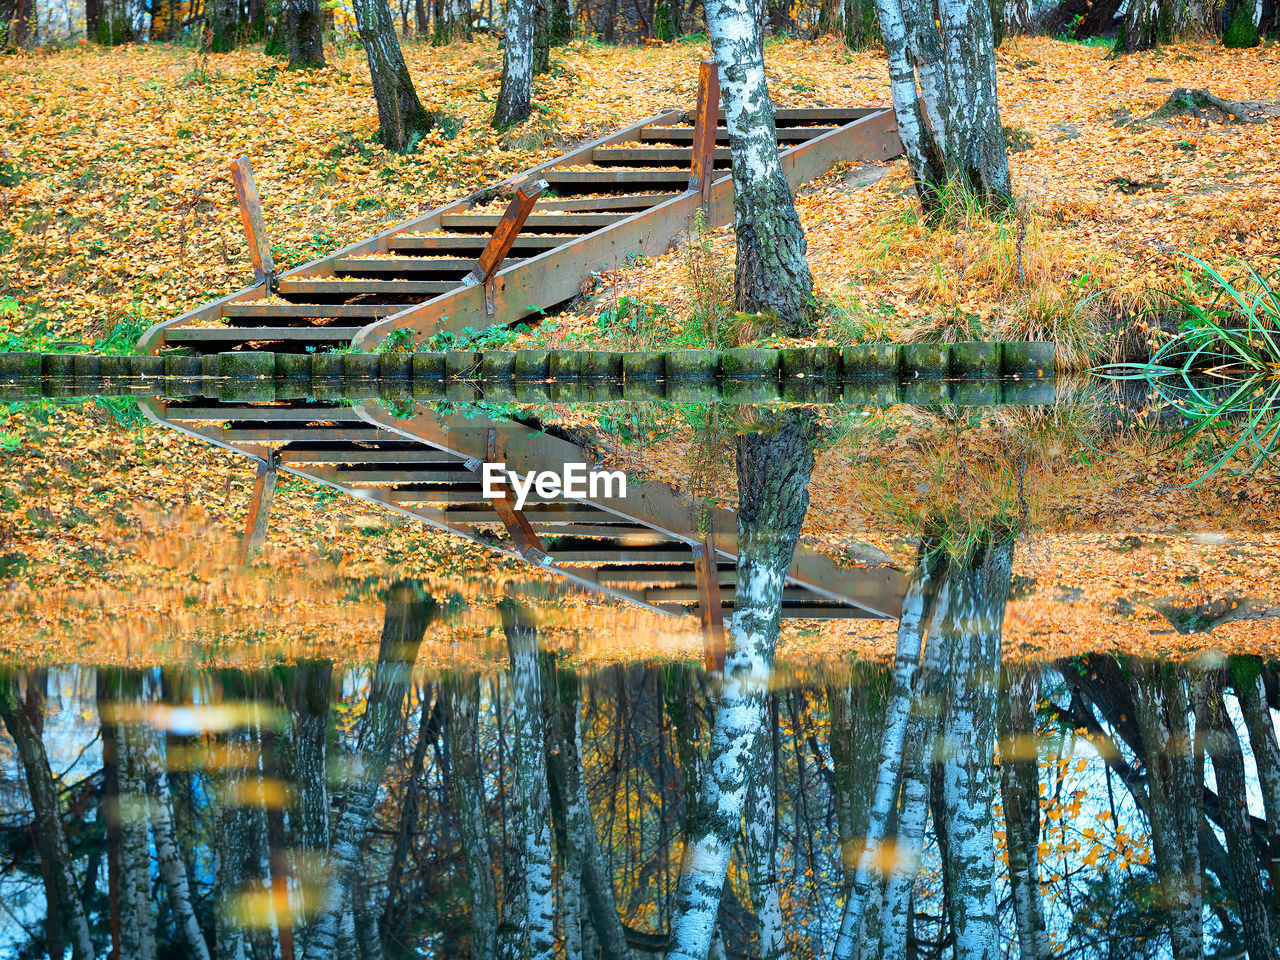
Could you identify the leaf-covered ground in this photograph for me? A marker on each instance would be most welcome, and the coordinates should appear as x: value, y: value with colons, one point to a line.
x: 115, y: 201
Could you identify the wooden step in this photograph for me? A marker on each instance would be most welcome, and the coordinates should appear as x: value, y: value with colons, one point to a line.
x: 536, y: 221
x: 391, y: 478
x: 302, y: 311
x: 307, y: 414
x: 354, y: 455
x: 289, y: 434
x: 477, y: 241
x: 623, y: 201
x: 656, y: 156
x: 361, y: 266
x: 244, y: 334
x: 373, y: 288
x: 685, y: 134
x: 622, y: 555
x: 690, y: 594
x: 607, y: 179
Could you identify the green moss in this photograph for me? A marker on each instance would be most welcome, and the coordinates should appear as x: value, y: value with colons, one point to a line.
x: 1241, y: 32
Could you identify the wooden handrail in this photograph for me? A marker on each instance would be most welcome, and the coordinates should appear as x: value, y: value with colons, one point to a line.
x: 504, y: 235
x: 255, y: 226
x: 705, y: 121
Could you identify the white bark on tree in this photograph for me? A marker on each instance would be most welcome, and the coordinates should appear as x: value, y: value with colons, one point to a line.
x: 1251, y: 693
x: 772, y: 270
x: 760, y: 843
x: 773, y: 495
x: 917, y: 607
x: 137, y: 922
x: 515, y: 97
x: 970, y: 631
x: 533, y: 819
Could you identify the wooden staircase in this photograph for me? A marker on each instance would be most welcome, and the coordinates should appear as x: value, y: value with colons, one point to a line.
x: 653, y: 547
x: 628, y: 194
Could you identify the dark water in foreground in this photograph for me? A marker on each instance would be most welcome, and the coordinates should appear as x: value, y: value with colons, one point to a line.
x: 920, y: 681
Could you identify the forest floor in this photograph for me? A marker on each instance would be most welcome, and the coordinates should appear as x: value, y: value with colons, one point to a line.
x: 116, y: 205
x: 116, y: 211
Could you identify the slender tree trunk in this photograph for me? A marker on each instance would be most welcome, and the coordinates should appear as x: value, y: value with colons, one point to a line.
x: 541, y: 36
x: 1223, y: 747
x: 421, y: 26
x: 1246, y: 675
x: 463, y: 695
x: 1162, y: 706
x: 401, y: 119
x: 137, y: 921
x: 91, y: 8
x: 858, y: 711
x: 303, y: 28
x: 50, y: 834
x: 773, y: 495
x: 407, y: 618
x: 760, y: 842
x: 1020, y: 794
x: 515, y: 98
x: 859, y: 24
x: 970, y: 628
x: 917, y: 609
x: 309, y: 703
x: 172, y: 867
x: 533, y: 822
x: 772, y: 270
x: 1147, y: 23
x: 222, y: 21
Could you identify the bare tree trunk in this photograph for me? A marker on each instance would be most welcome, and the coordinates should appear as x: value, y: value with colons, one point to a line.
x: 1246, y: 676
x: 917, y: 609
x: 773, y: 495
x: 50, y: 834
x: 533, y: 821
x: 1223, y: 747
x: 401, y: 119
x: 222, y: 21
x: 860, y: 26
x: 1020, y: 793
x: 760, y: 841
x: 1147, y: 23
x: 421, y: 26
x: 407, y: 618
x: 469, y: 799
x: 1174, y: 787
x: 772, y: 269
x: 137, y: 921
x: 970, y: 627
x: 303, y: 29
x: 515, y: 98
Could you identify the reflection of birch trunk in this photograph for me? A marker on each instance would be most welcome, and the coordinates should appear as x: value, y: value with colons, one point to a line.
x: 309, y: 697
x: 917, y: 606
x: 407, y: 617
x: 1174, y: 785
x: 773, y: 495
x: 760, y: 843
x: 969, y: 631
x: 1020, y: 794
x: 1250, y: 688
x: 858, y: 711
x: 172, y: 868
x: 49, y: 833
x: 463, y: 695
x: 137, y: 923
x: 589, y: 902
x: 1223, y: 747
x: 533, y: 820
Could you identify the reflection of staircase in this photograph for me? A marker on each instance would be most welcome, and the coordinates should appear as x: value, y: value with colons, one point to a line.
x: 647, y: 548
x: 626, y: 194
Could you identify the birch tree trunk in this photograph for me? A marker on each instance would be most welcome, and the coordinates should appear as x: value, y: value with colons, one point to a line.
x: 971, y: 629
x: 975, y: 146
x: 773, y: 495
x: 515, y: 98
x: 1147, y: 23
x: 1251, y: 693
x: 309, y: 696
x: 137, y: 922
x: 1162, y: 706
x: 463, y: 695
x: 49, y: 832
x: 406, y: 620
x: 172, y: 867
x: 772, y: 270
x: 917, y: 608
x: 760, y: 843
x: 401, y: 119
x: 1223, y: 747
x: 533, y: 820
x: 1020, y: 795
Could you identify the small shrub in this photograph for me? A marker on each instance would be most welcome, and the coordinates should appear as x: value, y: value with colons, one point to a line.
x: 708, y: 281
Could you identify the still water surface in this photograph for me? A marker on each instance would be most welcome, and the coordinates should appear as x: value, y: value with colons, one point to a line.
x: 826, y: 681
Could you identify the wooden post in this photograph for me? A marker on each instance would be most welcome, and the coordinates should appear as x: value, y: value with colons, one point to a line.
x: 255, y: 227
x: 264, y: 490
x: 705, y: 122
x: 710, y: 607
x: 504, y: 235
x: 518, y: 527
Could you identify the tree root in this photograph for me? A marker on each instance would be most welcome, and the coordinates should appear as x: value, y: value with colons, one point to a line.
x: 1185, y: 101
